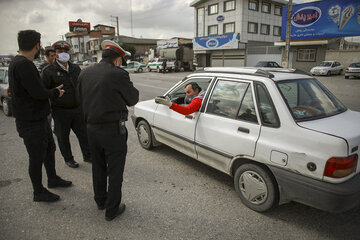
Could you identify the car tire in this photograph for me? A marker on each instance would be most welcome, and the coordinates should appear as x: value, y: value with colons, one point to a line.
x: 340, y: 72
x: 149, y: 69
x: 6, y: 107
x: 328, y: 73
x: 256, y: 187
x: 140, y: 70
x: 158, y: 70
x: 144, y: 134
x: 346, y: 77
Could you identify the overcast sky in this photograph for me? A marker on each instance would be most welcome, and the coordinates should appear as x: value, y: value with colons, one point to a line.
x: 151, y: 18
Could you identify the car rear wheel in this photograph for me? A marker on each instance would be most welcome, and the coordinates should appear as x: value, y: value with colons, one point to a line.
x: 340, y: 72
x: 149, y: 69
x: 328, y: 73
x: 140, y: 70
x: 144, y: 135
x: 346, y: 77
x: 6, y: 107
x: 256, y: 187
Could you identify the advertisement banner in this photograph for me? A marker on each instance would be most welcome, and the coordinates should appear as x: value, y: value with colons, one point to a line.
x: 323, y: 19
x: 170, y: 43
x: 225, y: 41
x: 79, y: 26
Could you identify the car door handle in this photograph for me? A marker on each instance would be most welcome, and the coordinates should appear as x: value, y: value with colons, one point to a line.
x: 189, y: 116
x: 245, y: 130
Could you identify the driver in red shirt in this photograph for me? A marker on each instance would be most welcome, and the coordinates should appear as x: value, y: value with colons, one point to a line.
x: 193, y: 98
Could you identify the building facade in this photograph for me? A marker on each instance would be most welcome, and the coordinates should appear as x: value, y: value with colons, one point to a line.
x: 224, y: 29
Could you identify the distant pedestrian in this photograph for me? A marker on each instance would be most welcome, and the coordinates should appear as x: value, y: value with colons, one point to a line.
x: 164, y: 65
x: 31, y: 107
x: 105, y: 90
x: 66, y: 112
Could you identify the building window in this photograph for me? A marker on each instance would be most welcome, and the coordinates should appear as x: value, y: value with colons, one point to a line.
x: 107, y: 28
x: 252, y: 27
x: 278, y: 10
x: 306, y: 55
x: 213, y: 9
x: 229, y: 6
x: 265, y: 7
x: 254, y: 5
x: 265, y: 29
x: 277, y: 31
x: 213, y: 30
x: 229, y: 27
x: 200, y: 22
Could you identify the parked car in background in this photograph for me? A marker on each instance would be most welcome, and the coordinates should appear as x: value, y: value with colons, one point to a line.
x: 134, y: 66
x: 88, y: 62
x: 78, y: 62
x: 353, y: 70
x: 268, y: 64
x: 328, y: 68
x: 157, y: 64
x: 280, y: 134
x: 5, y: 96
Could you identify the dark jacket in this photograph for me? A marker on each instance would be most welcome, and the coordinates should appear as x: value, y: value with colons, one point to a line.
x: 104, y: 91
x: 30, y: 100
x: 53, y: 76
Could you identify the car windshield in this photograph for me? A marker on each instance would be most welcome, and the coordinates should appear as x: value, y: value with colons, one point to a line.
x: 308, y: 99
x: 355, y: 65
x: 325, y: 64
x: 267, y: 64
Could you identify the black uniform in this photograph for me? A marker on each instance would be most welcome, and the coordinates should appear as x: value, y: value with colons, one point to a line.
x: 31, y: 107
x: 105, y: 90
x: 65, y: 110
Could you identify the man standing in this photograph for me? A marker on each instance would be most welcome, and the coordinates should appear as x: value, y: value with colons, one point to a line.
x: 104, y: 91
x: 50, y: 56
x: 31, y: 107
x: 65, y: 111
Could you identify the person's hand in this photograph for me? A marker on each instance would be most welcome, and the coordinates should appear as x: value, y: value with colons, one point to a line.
x: 61, y: 92
x: 165, y: 101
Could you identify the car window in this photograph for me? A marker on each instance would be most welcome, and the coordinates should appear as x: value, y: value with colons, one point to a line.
x: 325, y: 64
x: 355, y: 65
x: 178, y: 94
x: 226, y: 98
x: 130, y: 64
x: 308, y: 99
x: 266, y: 107
x: 247, y: 109
x: 2, y: 76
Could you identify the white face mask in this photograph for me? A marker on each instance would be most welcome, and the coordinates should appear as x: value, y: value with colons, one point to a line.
x: 63, y: 57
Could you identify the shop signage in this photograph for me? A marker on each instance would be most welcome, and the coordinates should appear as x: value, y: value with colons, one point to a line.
x: 225, y: 41
x: 79, y: 26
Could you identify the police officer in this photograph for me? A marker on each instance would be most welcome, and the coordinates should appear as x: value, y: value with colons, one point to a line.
x: 104, y: 91
x: 65, y: 111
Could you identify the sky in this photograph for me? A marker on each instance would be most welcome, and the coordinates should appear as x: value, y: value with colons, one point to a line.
x: 151, y: 18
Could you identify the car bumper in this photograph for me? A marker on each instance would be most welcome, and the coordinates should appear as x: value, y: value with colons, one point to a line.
x: 352, y: 74
x: 319, y: 73
x: 326, y: 196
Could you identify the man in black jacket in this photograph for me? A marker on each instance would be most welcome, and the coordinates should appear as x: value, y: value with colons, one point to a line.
x: 31, y: 107
x: 105, y: 91
x: 65, y: 111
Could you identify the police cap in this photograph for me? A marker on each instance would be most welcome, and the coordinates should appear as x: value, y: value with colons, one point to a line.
x: 61, y: 45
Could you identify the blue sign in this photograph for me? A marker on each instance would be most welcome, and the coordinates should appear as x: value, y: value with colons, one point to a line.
x: 220, y: 18
x: 323, y: 19
x: 225, y: 41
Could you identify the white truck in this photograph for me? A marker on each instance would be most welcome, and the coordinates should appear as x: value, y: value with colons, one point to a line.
x: 157, y: 64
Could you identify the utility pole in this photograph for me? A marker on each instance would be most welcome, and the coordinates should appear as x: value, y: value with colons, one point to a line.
x: 116, y: 18
x: 288, y: 32
x: 131, y: 19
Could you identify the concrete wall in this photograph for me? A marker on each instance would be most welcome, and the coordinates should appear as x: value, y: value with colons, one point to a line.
x: 345, y: 57
x: 306, y: 66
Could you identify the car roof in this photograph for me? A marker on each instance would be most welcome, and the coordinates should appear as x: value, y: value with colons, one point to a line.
x: 5, y: 68
x: 254, y: 73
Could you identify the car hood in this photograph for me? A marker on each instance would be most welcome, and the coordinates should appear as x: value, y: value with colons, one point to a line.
x: 320, y: 68
x: 345, y: 125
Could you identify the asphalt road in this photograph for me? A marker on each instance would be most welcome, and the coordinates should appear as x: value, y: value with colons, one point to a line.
x: 168, y: 195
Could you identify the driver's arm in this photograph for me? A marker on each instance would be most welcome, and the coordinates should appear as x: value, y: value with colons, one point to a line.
x: 189, y: 109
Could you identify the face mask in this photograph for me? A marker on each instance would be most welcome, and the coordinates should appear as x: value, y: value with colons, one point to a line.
x: 63, y: 57
x: 188, y: 99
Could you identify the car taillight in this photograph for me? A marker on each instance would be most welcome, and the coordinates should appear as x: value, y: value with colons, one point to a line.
x: 8, y: 92
x: 347, y: 69
x: 337, y: 167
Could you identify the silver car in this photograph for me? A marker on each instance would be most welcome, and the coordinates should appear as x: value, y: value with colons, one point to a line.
x: 328, y: 68
x: 5, y: 91
x: 353, y: 70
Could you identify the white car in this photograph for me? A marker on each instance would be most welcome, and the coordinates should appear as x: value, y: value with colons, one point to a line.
x: 328, y: 68
x: 157, y: 64
x: 353, y: 70
x: 281, y: 134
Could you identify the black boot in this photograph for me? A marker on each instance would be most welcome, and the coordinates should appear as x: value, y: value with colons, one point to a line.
x: 58, y: 182
x: 46, y: 196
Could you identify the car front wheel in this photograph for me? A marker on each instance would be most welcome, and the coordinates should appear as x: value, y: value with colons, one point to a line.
x: 6, y: 107
x: 256, y: 187
x: 144, y: 135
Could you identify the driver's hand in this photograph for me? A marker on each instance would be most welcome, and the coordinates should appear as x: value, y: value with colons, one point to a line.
x: 165, y: 101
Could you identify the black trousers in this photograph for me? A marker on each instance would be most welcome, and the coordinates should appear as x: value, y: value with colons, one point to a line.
x: 66, y: 120
x: 40, y: 145
x: 108, y: 152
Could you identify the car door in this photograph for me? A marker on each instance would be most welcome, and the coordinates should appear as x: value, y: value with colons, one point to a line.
x: 3, y: 84
x: 229, y: 125
x: 175, y: 129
